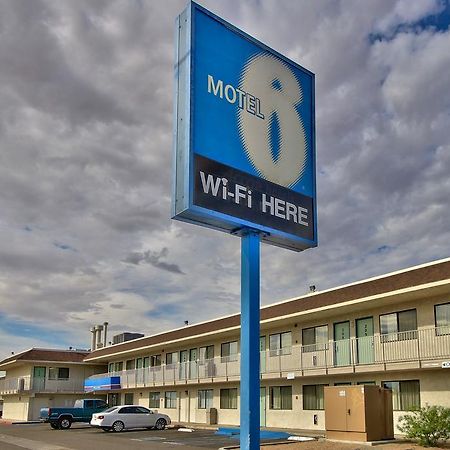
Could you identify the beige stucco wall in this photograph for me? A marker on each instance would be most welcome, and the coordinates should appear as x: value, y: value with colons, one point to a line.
x: 27, y: 407
x: 425, y: 319
x: 77, y: 371
x: 434, y: 385
x: 15, y: 407
x: 35, y: 406
x: 51, y: 400
x: 17, y: 372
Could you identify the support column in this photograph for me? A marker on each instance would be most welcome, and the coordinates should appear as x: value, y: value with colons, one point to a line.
x: 250, y: 304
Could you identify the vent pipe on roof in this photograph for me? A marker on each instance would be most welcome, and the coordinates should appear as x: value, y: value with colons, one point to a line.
x: 98, y: 329
x: 93, y: 340
x: 105, y: 329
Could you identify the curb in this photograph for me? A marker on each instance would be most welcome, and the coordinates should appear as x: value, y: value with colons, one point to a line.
x: 29, y: 422
x: 263, y: 444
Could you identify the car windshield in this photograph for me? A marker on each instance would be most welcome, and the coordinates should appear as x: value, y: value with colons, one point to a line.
x: 110, y: 409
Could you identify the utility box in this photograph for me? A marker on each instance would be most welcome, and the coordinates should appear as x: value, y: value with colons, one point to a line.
x: 211, y: 416
x: 358, y: 413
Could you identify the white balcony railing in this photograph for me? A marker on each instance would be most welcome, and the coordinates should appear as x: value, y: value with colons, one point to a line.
x: 30, y: 384
x: 418, y: 345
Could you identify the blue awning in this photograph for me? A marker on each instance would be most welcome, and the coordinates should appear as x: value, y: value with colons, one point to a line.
x: 101, y: 384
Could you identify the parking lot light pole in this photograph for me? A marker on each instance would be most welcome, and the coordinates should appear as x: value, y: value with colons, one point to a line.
x: 250, y: 303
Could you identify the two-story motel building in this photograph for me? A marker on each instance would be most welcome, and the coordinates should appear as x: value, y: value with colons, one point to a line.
x: 391, y: 330
x: 38, y: 378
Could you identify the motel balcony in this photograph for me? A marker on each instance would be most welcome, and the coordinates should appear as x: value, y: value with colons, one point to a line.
x: 424, y: 348
x: 31, y: 385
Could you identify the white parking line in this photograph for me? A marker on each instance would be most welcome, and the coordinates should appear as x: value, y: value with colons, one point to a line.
x: 152, y: 438
x: 29, y: 444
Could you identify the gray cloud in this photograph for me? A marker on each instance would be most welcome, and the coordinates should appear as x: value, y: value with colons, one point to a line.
x: 154, y: 259
x: 86, y: 149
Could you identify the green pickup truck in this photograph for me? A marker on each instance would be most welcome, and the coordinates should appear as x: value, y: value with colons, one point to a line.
x: 63, y: 418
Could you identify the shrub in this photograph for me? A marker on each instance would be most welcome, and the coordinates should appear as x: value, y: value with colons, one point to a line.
x: 428, y: 425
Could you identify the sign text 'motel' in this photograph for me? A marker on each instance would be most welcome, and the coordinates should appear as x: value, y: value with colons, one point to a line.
x: 245, y: 136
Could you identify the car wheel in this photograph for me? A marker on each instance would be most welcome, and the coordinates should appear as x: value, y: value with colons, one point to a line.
x: 118, y: 426
x: 54, y: 426
x: 64, y: 423
x: 160, y: 424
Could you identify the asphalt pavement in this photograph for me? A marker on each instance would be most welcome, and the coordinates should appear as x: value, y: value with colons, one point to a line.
x: 83, y: 437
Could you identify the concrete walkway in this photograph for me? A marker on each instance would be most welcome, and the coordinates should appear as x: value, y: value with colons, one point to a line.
x: 294, y: 431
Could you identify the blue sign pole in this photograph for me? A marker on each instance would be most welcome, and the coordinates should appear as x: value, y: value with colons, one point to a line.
x: 250, y: 290
x: 228, y: 88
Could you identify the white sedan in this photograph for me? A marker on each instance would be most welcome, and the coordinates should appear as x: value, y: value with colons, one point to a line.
x: 119, y: 418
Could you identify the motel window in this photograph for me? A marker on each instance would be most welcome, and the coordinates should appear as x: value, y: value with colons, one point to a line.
x: 229, y: 351
x: 442, y: 317
x: 171, y: 358
x: 205, y: 398
x: 399, y: 326
x: 281, y: 397
x: 228, y: 398
x: 58, y: 373
x: 129, y: 398
x: 130, y: 364
x: 170, y: 399
x: 371, y: 383
x: 118, y: 366
x: 343, y: 383
x: 315, y: 339
x: 280, y: 344
x: 405, y: 394
x: 154, y: 398
x: 155, y: 361
x: 313, y: 396
x: 111, y: 367
x: 206, y: 352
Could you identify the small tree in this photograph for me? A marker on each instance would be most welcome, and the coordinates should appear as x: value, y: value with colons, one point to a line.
x: 428, y: 425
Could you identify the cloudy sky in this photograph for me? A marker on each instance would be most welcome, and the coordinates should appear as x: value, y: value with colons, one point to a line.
x: 86, y: 148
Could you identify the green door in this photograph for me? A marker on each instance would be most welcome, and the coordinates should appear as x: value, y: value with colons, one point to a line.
x: 262, y: 354
x: 139, y: 371
x: 342, y: 344
x: 262, y: 406
x: 183, y: 364
x: 364, y: 341
x: 39, y: 378
x: 145, y: 369
x: 193, y: 363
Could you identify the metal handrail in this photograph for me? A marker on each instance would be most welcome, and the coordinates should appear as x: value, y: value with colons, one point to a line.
x: 411, y: 345
x: 28, y: 383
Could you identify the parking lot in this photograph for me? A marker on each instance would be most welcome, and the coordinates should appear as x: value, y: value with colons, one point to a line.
x: 83, y: 437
